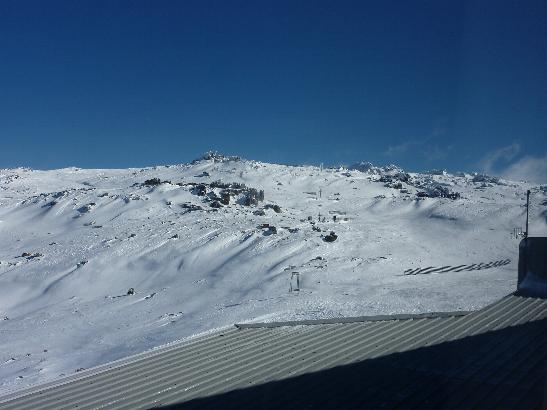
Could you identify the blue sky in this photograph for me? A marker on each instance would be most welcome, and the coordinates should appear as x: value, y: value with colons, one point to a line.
x: 423, y: 84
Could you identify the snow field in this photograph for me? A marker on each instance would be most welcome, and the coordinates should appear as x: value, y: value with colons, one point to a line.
x: 88, y: 236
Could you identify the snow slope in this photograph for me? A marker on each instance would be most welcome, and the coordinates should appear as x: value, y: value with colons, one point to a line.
x: 88, y: 236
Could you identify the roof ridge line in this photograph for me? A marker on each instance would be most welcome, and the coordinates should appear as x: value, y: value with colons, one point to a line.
x: 330, y: 321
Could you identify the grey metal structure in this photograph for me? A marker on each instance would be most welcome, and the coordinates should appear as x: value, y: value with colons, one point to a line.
x: 492, y: 358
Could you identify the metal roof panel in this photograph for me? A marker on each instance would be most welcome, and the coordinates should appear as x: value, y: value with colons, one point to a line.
x: 495, y: 356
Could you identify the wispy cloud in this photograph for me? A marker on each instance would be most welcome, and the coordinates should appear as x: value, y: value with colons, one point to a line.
x: 436, y: 152
x: 501, y: 157
x: 531, y: 169
x: 504, y: 162
x: 426, y: 148
x: 401, y: 149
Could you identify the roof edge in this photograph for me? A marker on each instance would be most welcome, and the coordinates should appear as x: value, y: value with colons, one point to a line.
x: 330, y: 321
x: 14, y: 392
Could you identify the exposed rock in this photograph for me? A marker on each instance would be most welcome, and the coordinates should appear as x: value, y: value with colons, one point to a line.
x: 131, y: 291
x: 225, y: 198
x: 213, y: 196
x: 253, y: 196
x: 216, y: 157
x: 152, y: 182
x: 191, y: 207
x: 269, y: 229
x: 331, y: 237
x: 394, y: 178
x: 86, y: 208
x: 397, y: 185
x: 250, y: 200
x: 485, y: 179
x: 392, y: 168
x: 36, y: 255
x: 200, y: 190
x: 364, y: 166
x: 228, y: 185
x: 438, y: 191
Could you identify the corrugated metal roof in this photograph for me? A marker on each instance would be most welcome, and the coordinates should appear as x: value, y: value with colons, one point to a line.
x: 494, y: 357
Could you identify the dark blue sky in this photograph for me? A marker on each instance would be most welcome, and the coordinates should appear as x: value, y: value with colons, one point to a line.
x: 424, y: 84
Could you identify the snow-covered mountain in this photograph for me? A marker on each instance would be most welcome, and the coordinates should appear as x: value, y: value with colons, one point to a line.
x: 96, y: 265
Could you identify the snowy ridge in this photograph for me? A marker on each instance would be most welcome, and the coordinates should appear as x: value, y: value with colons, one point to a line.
x: 96, y: 265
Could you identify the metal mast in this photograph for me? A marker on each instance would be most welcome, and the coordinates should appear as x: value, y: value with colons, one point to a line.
x: 527, y: 208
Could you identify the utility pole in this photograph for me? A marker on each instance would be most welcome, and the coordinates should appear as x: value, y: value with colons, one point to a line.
x: 527, y: 211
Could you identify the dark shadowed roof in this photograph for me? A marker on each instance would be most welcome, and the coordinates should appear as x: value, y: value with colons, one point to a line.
x: 491, y: 358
